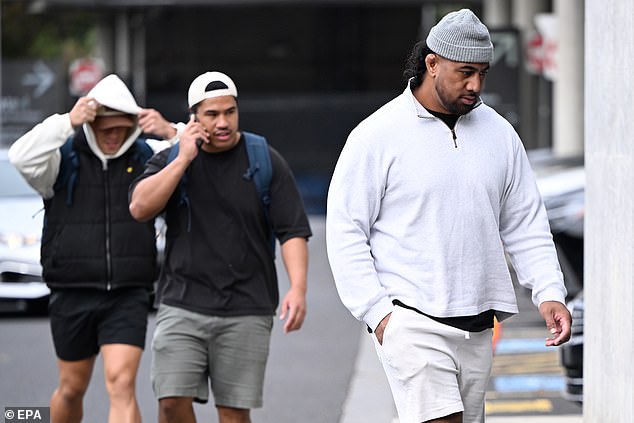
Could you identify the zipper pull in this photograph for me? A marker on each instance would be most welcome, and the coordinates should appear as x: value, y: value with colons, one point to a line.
x: 453, y: 134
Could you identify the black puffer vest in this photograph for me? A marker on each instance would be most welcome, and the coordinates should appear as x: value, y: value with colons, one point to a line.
x: 89, y: 239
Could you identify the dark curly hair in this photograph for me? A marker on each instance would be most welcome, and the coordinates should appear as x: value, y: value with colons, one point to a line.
x: 415, y: 64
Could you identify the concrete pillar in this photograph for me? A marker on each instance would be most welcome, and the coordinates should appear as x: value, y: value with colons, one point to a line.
x: 568, y: 88
x: 139, y: 75
x: 531, y: 122
x: 609, y: 224
x: 0, y: 74
x: 104, y: 47
x: 497, y: 13
x: 122, y: 46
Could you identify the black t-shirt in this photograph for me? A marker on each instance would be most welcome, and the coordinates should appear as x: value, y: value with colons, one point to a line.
x: 449, y: 119
x: 218, y: 259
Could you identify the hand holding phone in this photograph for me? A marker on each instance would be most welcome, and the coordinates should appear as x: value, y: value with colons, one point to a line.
x: 199, y: 141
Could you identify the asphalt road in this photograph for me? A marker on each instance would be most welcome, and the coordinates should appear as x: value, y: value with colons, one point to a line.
x: 307, y: 376
x: 325, y: 373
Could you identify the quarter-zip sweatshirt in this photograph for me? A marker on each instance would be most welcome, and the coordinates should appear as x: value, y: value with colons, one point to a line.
x: 427, y: 215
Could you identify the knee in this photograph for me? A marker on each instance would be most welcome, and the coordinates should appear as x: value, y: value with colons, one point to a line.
x: 234, y: 415
x: 121, y: 385
x: 70, y: 393
x: 174, y: 409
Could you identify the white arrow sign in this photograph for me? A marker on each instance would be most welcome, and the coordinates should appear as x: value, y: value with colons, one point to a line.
x: 505, y: 47
x: 41, y: 78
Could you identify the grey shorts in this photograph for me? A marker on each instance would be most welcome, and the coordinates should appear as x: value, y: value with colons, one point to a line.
x: 191, y: 351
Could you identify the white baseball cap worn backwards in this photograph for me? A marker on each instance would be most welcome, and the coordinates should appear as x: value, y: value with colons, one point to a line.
x: 209, y: 85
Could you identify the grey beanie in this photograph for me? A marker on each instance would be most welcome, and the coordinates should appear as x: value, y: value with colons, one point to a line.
x: 461, y: 37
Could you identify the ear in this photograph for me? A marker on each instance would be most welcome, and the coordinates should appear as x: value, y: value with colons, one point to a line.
x: 431, y: 63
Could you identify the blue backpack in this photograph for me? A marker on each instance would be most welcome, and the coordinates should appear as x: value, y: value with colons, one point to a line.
x: 69, y: 164
x: 260, y: 171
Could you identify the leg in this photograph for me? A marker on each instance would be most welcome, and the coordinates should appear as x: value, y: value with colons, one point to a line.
x: 233, y: 415
x: 176, y: 410
x: 179, y: 363
x: 121, y: 363
x: 417, y: 355
x: 237, y: 368
x: 67, y: 400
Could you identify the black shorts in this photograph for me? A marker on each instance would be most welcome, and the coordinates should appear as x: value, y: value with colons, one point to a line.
x: 83, y: 320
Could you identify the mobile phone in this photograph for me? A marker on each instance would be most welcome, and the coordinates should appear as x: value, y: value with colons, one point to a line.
x: 199, y: 141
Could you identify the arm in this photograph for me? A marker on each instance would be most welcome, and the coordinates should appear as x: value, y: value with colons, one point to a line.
x: 295, y: 257
x: 528, y: 241
x: 152, y: 122
x: 36, y: 154
x: 354, y: 202
x: 150, y: 196
x: 526, y: 235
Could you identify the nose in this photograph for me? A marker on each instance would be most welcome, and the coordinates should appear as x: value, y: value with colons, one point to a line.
x: 474, y: 83
x: 222, y: 120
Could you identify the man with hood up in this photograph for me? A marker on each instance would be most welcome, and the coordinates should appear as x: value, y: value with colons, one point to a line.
x: 97, y: 260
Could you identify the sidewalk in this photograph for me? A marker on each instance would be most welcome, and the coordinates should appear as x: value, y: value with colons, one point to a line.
x: 536, y: 419
x: 369, y: 399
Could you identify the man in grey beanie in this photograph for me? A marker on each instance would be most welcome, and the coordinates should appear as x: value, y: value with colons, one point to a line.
x: 428, y: 197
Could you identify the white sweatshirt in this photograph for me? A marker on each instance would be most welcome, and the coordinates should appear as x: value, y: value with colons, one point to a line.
x: 37, y: 156
x: 413, y: 216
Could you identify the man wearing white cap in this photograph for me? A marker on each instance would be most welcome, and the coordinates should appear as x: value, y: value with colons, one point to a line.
x: 428, y: 195
x: 99, y: 262
x: 218, y: 289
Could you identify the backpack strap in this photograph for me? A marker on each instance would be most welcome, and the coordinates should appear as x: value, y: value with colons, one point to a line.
x: 260, y: 171
x: 67, y: 176
x: 142, y: 151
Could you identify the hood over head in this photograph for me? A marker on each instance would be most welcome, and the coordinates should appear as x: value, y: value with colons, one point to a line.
x: 114, y: 94
x: 115, y: 99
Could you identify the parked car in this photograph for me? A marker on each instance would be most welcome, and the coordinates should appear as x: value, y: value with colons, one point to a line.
x: 571, y: 353
x: 561, y: 182
x: 562, y: 185
x: 21, y: 216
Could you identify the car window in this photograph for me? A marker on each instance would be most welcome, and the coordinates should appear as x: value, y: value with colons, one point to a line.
x: 12, y: 184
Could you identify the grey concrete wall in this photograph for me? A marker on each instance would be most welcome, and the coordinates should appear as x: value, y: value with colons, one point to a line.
x: 609, y: 230
x: 568, y: 96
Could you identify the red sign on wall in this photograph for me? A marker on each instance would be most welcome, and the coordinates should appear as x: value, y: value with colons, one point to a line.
x: 84, y: 74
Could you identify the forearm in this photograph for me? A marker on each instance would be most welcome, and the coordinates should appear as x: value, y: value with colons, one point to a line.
x: 295, y: 258
x: 354, y: 271
x: 150, y: 195
x: 293, y: 307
